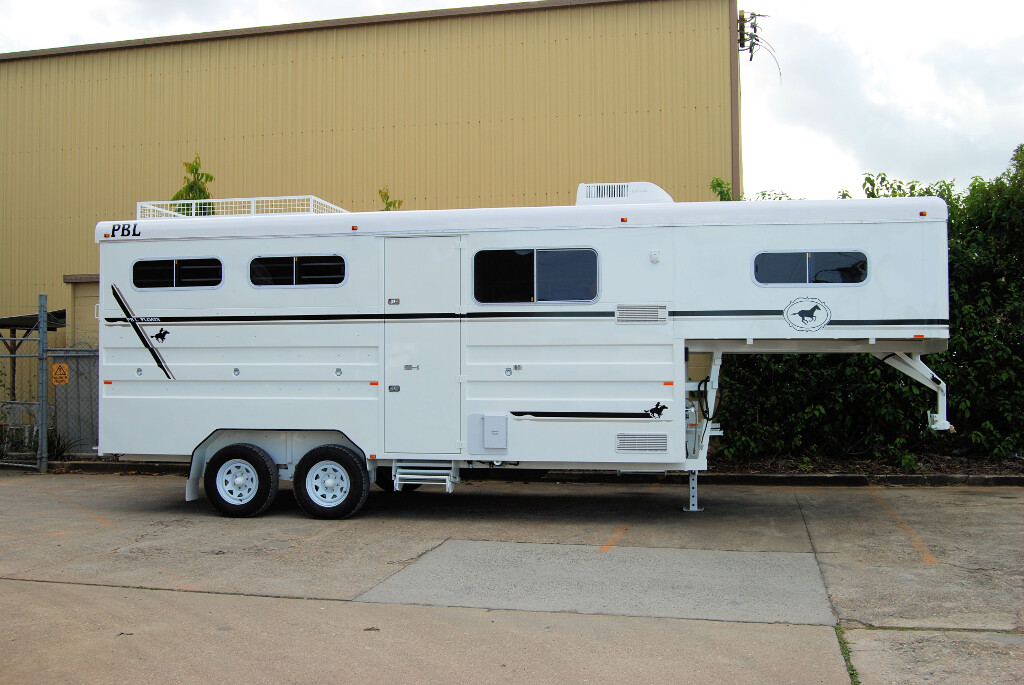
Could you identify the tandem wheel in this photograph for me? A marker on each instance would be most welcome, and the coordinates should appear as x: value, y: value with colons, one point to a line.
x: 331, y: 482
x: 241, y: 480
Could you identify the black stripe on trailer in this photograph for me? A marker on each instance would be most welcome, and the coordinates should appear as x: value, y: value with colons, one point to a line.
x: 157, y: 357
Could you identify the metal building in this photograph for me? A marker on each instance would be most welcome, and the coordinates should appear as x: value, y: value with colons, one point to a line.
x: 487, y: 106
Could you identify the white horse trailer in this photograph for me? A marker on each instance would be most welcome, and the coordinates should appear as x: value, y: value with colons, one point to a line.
x: 332, y: 349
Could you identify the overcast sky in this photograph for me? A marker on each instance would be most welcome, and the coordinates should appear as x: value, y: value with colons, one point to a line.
x: 922, y: 90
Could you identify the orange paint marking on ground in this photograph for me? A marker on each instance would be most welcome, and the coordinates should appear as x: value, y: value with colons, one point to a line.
x: 614, y: 539
x: 82, y: 510
x: 915, y: 541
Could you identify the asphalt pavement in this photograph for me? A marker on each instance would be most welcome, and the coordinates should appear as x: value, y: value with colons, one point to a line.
x: 115, y: 578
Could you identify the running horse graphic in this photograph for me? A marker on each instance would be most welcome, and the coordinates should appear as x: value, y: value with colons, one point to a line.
x: 807, y: 315
x: 657, y: 410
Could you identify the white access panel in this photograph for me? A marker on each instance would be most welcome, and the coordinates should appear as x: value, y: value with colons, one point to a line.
x: 422, y: 343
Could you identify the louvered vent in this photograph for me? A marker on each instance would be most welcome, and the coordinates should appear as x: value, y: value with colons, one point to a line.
x: 600, y: 191
x: 641, y: 442
x: 641, y: 313
x: 632, y: 193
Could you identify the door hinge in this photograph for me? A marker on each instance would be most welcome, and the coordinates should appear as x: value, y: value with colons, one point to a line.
x: 462, y: 378
x: 460, y: 444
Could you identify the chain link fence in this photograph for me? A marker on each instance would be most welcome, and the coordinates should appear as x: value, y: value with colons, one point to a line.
x: 74, y: 428
x: 49, y: 398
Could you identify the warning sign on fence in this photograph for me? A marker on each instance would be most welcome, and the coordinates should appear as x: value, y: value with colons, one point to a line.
x: 59, y: 374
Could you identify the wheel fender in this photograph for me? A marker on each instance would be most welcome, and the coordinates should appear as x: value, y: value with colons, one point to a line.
x: 272, y: 441
x: 195, y: 474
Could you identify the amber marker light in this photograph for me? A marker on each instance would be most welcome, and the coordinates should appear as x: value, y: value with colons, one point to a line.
x: 669, y: 383
x: 918, y: 335
x: 923, y: 213
x: 108, y: 382
x: 623, y: 219
x: 374, y: 383
x: 355, y: 228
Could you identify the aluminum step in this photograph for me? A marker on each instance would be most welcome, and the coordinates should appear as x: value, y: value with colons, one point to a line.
x: 426, y: 473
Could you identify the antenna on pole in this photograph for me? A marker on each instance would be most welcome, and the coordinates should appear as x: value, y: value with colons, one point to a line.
x: 750, y: 41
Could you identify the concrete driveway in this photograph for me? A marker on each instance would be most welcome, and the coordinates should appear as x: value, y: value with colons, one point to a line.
x: 107, y: 579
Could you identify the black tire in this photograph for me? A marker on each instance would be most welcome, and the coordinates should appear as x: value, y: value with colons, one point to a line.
x: 386, y: 483
x: 241, y: 480
x: 331, y: 482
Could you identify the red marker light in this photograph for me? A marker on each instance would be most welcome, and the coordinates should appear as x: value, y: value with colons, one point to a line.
x: 355, y: 228
x: 923, y: 213
x: 623, y: 219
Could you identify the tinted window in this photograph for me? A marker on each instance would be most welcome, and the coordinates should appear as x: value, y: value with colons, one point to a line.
x: 503, y: 276
x: 535, y: 276
x: 177, y: 273
x: 837, y: 267
x: 156, y: 273
x: 810, y: 267
x: 566, y: 275
x: 326, y: 270
x: 315, y: 270
x: 197, y: 273
x: 781, y: 267
x: 272, y: 271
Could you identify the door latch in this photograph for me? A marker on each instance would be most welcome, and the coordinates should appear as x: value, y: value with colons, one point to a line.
x: 394, y: 388
x: 393, y: 300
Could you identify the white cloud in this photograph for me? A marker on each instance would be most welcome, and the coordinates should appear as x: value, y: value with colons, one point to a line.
x: 919, y: 90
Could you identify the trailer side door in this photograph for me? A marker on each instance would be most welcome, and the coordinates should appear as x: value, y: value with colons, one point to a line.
x: 422, y: 345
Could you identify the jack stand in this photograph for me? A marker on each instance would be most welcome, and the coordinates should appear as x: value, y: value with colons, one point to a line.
x: 693, y: 494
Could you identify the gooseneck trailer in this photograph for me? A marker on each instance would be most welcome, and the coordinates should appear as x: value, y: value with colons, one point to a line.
x: 333, y: 349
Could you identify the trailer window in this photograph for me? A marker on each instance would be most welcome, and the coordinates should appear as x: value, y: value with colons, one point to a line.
x: 566, y: 275
x: 177, y: 273
x: 296, y: 270
x: 535, y: 275
x: 837, y: 267
x: 772, y: 268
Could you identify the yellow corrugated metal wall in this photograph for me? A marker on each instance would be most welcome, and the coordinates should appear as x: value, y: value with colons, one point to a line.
x: 487, y: 109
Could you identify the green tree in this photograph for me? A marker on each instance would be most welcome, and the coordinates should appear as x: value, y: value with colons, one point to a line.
x: 389, y: 204
x: 723, y: 189
x: 194, y: 189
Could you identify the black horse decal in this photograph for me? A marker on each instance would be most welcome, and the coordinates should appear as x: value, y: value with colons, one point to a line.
x: 161, y: 335
x: 657, y: 410
x: 807, y: 315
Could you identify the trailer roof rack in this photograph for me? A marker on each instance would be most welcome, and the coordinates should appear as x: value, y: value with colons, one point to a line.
x: 182, y: 209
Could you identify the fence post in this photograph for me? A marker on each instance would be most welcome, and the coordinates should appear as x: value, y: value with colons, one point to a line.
x: 42, y: 421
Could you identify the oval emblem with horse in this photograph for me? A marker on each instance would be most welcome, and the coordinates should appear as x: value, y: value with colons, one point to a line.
x: 807, y: 314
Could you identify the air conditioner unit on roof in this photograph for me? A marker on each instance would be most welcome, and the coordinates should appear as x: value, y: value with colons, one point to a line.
x: 633, y: 193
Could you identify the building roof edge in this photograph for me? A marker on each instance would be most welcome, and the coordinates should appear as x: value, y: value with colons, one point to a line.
x: 305, y: 26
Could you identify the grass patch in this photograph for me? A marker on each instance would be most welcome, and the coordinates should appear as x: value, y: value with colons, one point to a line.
x: 844, y: 647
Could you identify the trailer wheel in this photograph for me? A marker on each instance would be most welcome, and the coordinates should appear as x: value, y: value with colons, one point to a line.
x: 241, y: 480
x: 386, y: 483
x: 331, y: 482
